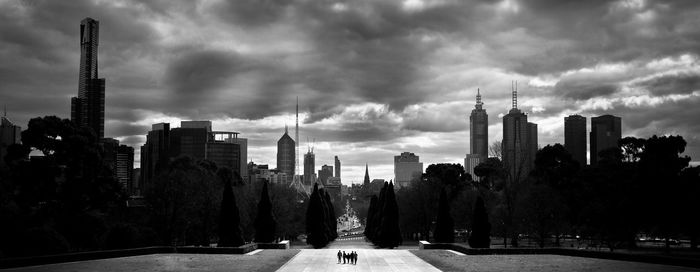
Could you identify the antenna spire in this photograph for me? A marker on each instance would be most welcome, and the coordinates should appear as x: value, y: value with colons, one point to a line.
x: 478, y: 99
x: 5, y: 111
x: 515, y: 93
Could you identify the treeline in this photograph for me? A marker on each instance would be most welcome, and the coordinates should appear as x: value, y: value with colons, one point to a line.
x: 642, y: 187
x: 69, y: 200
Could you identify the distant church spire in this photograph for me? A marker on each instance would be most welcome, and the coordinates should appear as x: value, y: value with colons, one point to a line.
x: 286, y: 129
x: 366, y: 174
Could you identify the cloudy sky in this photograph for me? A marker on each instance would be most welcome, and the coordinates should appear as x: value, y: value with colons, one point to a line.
x: 374, y: 77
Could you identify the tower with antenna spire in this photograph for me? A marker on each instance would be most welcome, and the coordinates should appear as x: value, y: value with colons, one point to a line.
x: 519, y: 144
x: 478, y: 136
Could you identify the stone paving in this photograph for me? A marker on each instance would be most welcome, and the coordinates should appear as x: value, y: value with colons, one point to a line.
x: 368, y: 260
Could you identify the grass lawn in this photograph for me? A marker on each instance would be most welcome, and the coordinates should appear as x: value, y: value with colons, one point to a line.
x: 448, y: 261
x: 266, y: 260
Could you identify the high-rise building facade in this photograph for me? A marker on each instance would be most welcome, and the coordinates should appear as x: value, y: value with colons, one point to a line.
x: 337, y: 167
x: 309, y: 168
x: 285, y: 154
x: 88, y: 109
x: 479, y: 129
x: 606, y: 131
x: 194, y: 139
x: 124, y: 169
x: 9, y: 135
x: 575, y: 137
x: 519, y: 144
x: 155, y: 153
x: 407, y: 167
x: 325, y: 173
x: 478, y: 137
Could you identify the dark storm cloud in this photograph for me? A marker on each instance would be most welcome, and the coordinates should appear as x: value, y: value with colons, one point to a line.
x: 682, y: 83
x: 583, y: 89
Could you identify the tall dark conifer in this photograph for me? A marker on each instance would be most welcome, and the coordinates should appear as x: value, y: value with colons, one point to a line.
x: 229, y: 220
x: 481, y: 229
x: 444, y: 227
x: 332, y: 222
x: 316, y: 234
x: 369, y: 224
x: 389, y: 232
x: 265, y: 224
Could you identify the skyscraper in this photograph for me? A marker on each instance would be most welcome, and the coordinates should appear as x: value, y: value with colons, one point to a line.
x: 125, y: 168
x: 479, y: 128
x: 478, y: 136
x: 337, y: 167
x: 9, y: 135
x: 325, y: 173
x: 285, y: 154
x: 309, y: 168
x: 519, y: 141
x: 88, y: 109
x: 407, y: 167
x: 606, y: 131
x: 154, y: 153
x: 575, y: 137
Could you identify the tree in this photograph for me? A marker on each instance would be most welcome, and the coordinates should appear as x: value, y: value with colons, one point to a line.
x: 265, y: 222
x: 229, y: 220
x: 481, y: 229
x: 496, y: 150
x: 316, y: 234
x: 389, y: 235
x: 332, y: 219
x: 369, y: 224
x: 444, y: 228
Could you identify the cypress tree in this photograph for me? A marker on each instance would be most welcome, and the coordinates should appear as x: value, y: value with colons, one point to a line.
x: 444, y: 227
x: 265, y: 224
x: 332, y: 220
x: 389, y: 232
x: 315, y: 224
x: 369, y: 225
x: 379, y: 213
x: 481, y: 229
x: 229, y: 220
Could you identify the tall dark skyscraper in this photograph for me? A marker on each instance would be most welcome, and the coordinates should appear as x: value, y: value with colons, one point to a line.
x: 154, y: 153
x: 575, y: 137
x: 606, y: 130
x: 478, y: 136
x: 285, y: 154
x: 88, y: 109
x: 479, y: 129
x: 9, y: 134
x: 309, y: 168
x: 325, y: 173
x: 519, y: 141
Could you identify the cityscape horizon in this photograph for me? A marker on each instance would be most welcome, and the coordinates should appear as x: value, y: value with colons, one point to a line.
x: 365, y: 129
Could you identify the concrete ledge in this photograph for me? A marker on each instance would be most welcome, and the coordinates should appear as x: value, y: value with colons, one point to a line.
x: 106, y: 254
x: 655, y: 259
x: 281, y: 245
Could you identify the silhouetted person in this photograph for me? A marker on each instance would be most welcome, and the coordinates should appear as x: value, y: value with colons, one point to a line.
x: 354, y: 257
x: 345, y: 257
x: 339, y: 255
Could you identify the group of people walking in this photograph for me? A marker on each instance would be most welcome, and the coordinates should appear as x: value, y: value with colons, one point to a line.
x: 350, y: 258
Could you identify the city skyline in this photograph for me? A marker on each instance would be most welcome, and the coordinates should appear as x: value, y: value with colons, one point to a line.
x: 243, y: 72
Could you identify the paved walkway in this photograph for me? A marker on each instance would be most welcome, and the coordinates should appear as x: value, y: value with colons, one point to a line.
x: 368, y: 260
